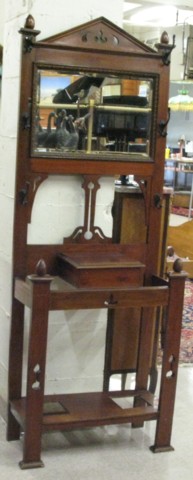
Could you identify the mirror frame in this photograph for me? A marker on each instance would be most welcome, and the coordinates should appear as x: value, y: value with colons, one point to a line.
x: 89, y: 154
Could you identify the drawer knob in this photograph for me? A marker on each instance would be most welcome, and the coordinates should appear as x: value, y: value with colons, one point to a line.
x: 111, y: 301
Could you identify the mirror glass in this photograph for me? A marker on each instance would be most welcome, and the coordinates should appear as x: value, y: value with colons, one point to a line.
x: 87, y: 114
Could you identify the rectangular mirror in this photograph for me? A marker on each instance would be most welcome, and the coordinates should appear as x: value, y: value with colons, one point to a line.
x: 78, y: 114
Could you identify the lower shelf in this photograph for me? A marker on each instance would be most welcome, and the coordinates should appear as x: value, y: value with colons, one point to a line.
x: 90, y: 409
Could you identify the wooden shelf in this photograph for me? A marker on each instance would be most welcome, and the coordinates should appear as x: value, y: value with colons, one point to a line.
x: 89, y: 409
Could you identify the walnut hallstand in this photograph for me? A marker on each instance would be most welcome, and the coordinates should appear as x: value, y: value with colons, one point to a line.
x: 96, y: 126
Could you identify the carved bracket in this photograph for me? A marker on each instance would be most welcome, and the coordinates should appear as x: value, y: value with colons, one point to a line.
x: 28, y: 191
x: 144, y: 185
x: 89, y: 231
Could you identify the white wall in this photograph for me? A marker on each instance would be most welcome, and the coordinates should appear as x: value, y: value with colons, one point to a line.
x: 1, y: 21
x: 84, y: 332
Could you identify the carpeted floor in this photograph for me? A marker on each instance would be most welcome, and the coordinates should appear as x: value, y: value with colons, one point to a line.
x: 186, y: 347
x: 181, y: 211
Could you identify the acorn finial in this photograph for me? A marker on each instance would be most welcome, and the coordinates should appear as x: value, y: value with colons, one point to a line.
x: 164, y: 38
x: 178, y: 265
x: 41, y: 268
x: 30, y: 22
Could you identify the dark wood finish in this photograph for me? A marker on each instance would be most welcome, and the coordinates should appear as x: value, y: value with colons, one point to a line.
x: 86, y: 270
x: 123, y: 327
x: 98, y: 47
x: 84, y: 410
x: 170, y: 365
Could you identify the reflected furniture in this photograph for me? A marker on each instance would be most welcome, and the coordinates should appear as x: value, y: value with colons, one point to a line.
x: 80, y: 115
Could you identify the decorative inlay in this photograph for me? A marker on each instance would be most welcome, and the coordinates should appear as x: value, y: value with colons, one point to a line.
x: 100, y: 38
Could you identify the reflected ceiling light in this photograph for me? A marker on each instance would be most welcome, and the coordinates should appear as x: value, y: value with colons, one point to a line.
x: 160, y: 15
x: 130, y: 6
x: 163, y: 15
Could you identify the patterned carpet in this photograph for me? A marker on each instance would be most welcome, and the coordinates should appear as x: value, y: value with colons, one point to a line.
x: 184, y: 212
x: 186, y: 347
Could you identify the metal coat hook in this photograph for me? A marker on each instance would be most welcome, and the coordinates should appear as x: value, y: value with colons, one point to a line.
x: 158, y: 200
x: 163, y: 124
x: 23, y: 194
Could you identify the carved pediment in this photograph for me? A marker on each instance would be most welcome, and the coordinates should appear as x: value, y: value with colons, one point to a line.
x: 100, y: 34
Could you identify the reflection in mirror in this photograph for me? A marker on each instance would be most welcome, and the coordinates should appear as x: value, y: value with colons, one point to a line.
x: 91, y: 114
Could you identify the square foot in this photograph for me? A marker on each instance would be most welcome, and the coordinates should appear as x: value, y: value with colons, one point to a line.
x: 25, y: 465
x: 155, y: 449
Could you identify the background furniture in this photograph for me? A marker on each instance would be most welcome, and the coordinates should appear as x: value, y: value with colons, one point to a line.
x: 181, y: 239
x: 180, y: 178
x: 123, y: 335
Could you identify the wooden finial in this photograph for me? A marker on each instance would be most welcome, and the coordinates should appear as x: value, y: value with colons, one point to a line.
x: 178, y: 265
x: 164, y: 38
x: 30, y: 22
x: 41, y: 268
x: 29, y: 34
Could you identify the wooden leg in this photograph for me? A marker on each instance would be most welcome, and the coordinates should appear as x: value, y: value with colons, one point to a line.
x: 36, y: 374
x: 144, y: 355
x: 108, y: 350
x: 170, y: 364
x: 15, y: 366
